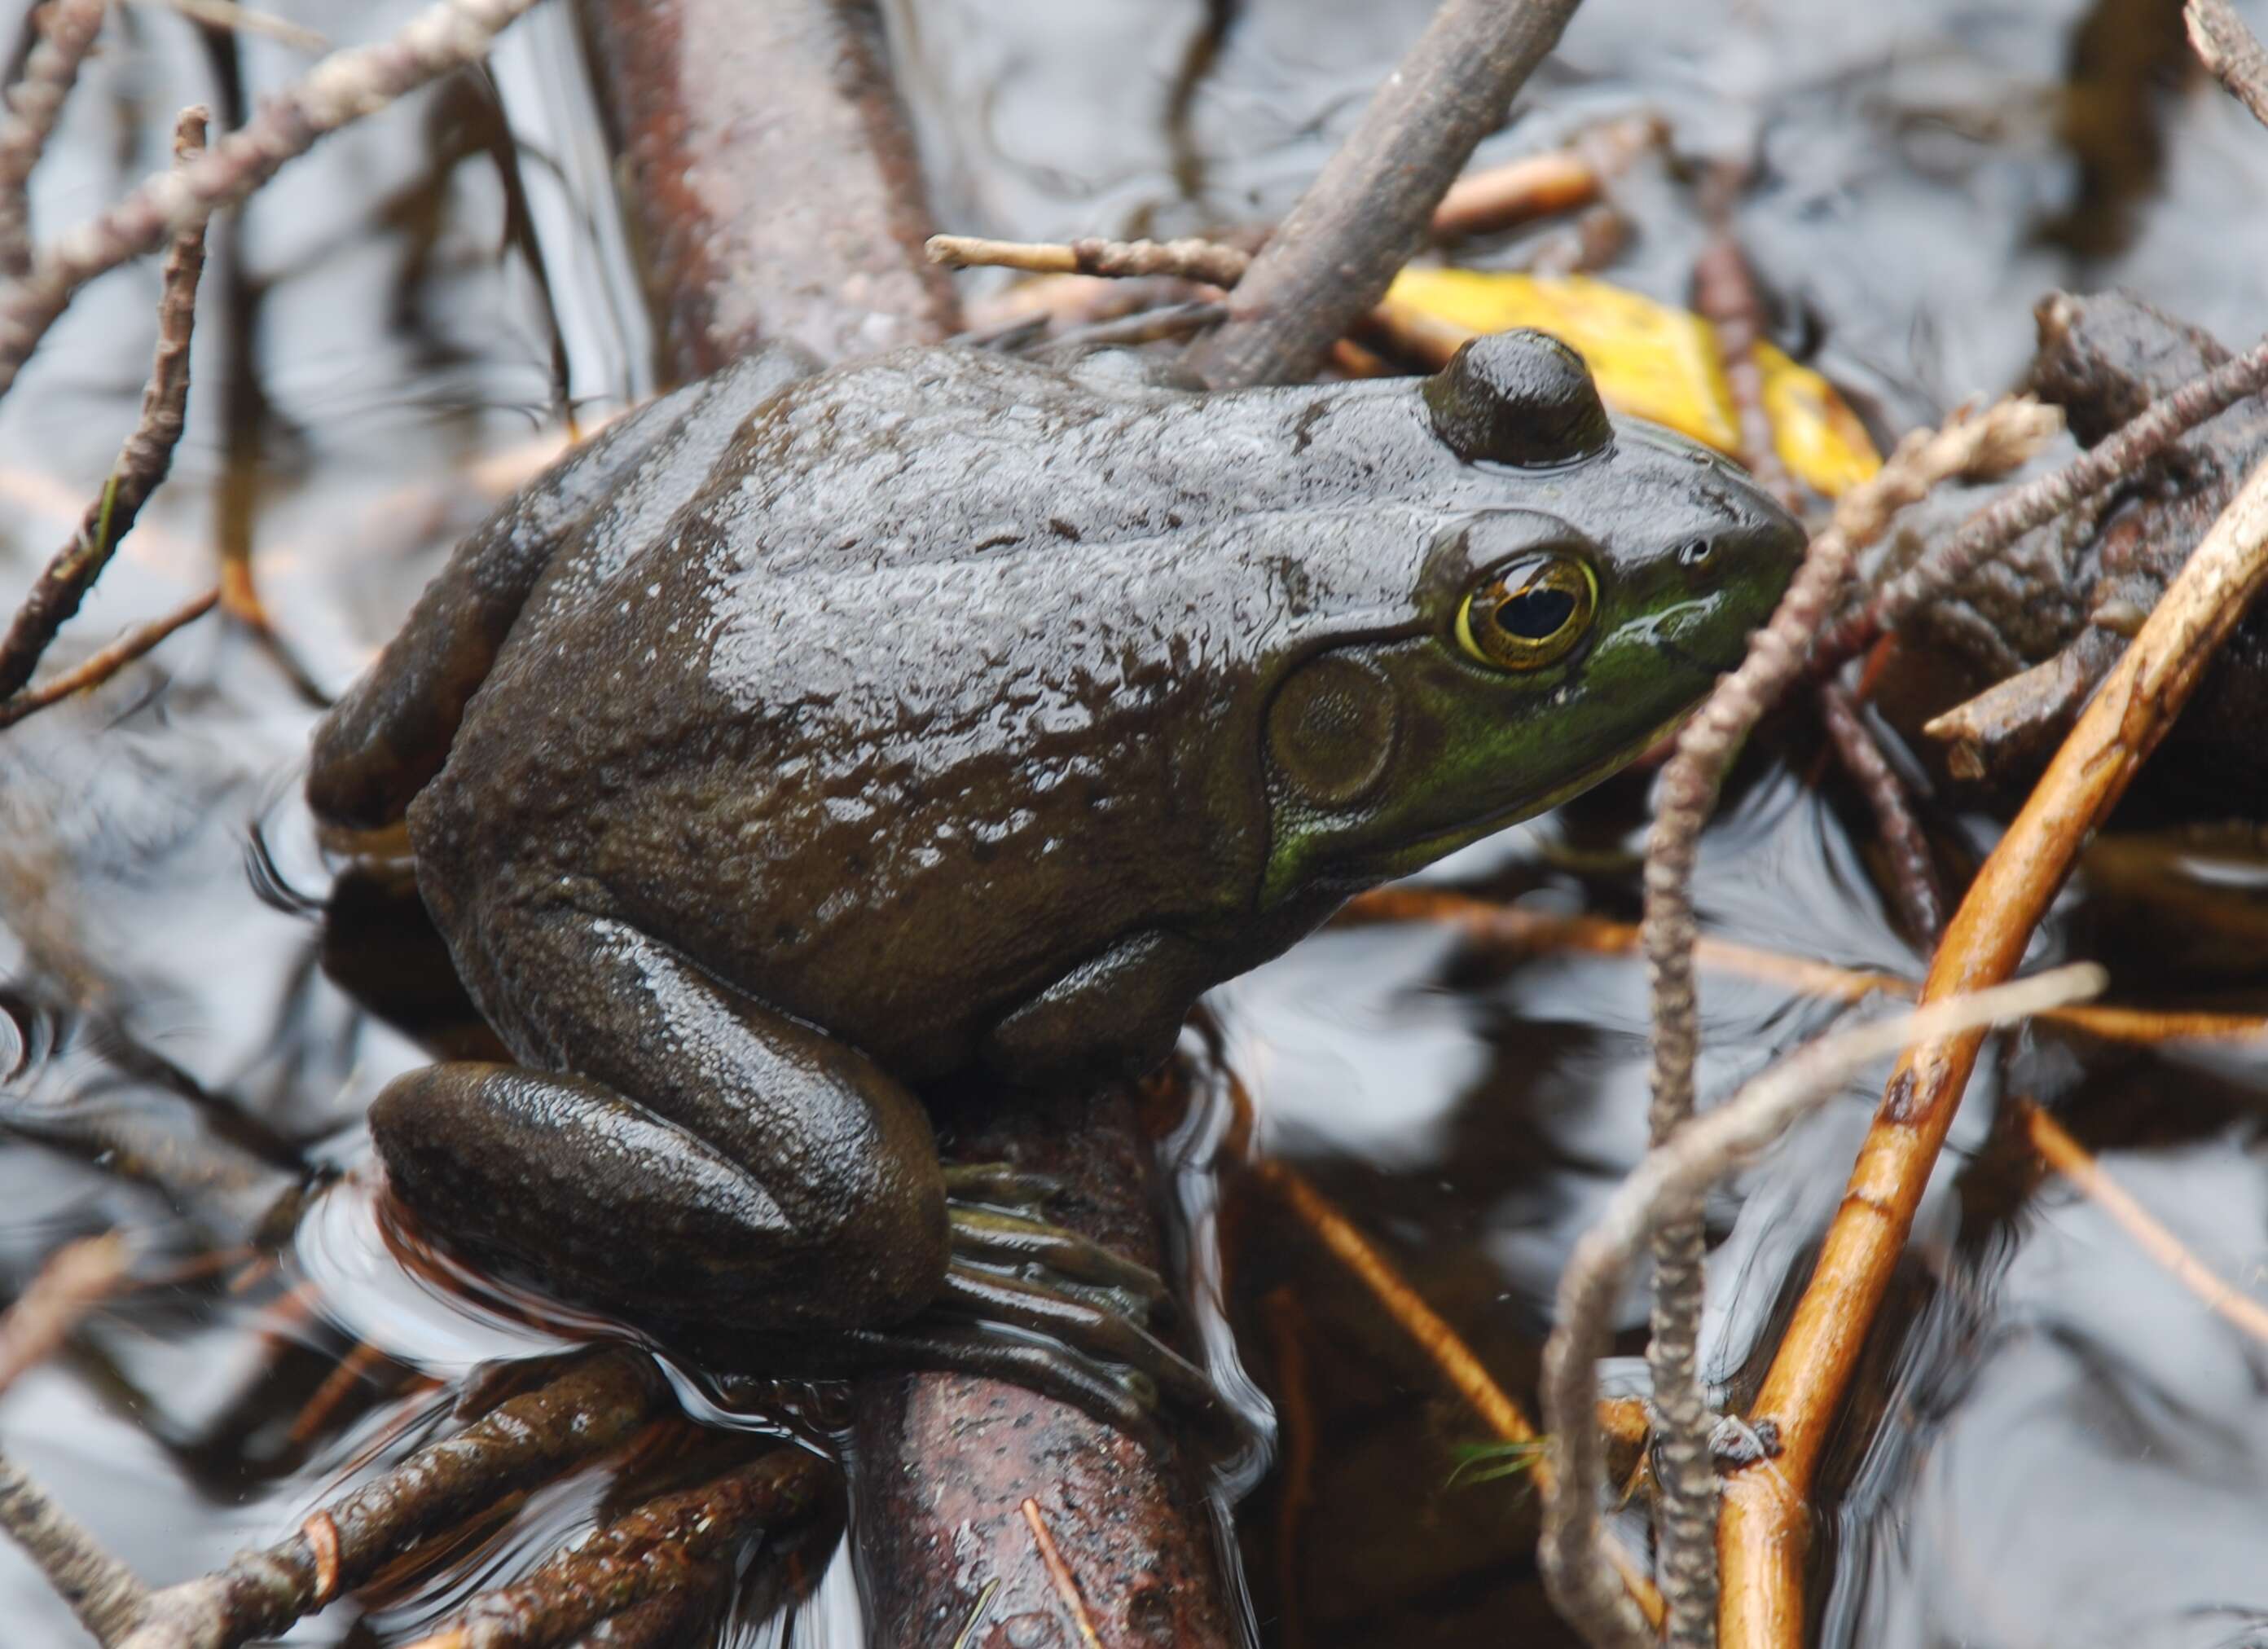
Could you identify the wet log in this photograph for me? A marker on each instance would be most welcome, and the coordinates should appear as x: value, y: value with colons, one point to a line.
x: 945, y: 1462
x: 774, y: 193
x: 768, y: 177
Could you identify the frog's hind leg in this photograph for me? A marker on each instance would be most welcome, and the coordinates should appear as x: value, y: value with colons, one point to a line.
x: 688, y: 1159
x: 684, y: 1156
x: 390, y: 733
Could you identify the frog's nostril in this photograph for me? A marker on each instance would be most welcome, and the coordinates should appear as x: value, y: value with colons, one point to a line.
x: 1694, y: 552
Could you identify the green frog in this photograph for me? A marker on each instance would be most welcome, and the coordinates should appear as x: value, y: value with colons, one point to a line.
x: 814, y: 739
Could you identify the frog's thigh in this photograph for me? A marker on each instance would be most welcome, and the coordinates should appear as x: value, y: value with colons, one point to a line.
x: 710, y: 1154
x: 1116, y: 1014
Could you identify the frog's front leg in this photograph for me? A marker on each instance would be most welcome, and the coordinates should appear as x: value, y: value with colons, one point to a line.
x: 688, y: 1159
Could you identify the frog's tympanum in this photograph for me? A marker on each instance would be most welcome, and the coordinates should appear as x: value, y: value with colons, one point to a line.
x: 809, y: 741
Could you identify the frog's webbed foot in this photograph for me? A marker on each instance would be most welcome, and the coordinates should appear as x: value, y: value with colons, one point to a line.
x: 1010, y: 1271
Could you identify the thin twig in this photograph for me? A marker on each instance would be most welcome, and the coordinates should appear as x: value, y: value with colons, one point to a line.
x: 75, y: 1278
x: 1668, y: 1179
x: 1990, y: 442
x: 2019, y: 510
x: 1526, y: 932
x: 1209, y: 262
x: 1059, y: 1575
x: 1537, y: 186
x: 2067, y: 1157
x: 1765, y: 1515
x: 1913, y: 873
x: 142, y: 462
x: 1332, y: 258
x: 2228, y: 48
x: 592, y: 1408
x: 342, y: 87
x: 1464, y: 1372
x: 106, y: 1595
x: 98, y: 666
x: 67, y: 31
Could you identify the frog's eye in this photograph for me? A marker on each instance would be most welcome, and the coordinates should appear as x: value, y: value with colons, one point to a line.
x: 1520, y: 397
x: 1528, y: 614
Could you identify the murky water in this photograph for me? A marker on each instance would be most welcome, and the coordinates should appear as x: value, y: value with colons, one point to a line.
x: 2055, y: 1443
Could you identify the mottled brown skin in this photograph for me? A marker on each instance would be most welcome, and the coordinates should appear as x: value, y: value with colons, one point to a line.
x: 807, y: 741
x: 2035, y: 630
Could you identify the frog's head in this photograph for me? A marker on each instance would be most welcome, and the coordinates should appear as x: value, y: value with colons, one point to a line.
x: 1576, y: 584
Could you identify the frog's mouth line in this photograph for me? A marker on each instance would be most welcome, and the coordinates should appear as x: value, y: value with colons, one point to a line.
x: 1412, y: 857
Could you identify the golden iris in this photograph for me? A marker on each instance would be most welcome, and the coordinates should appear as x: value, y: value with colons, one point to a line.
x: 1528, y: 614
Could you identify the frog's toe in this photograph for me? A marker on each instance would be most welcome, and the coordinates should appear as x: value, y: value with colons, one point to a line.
x: 1097, y: 1332
x: 1123, y: 1398
x: 1036, y: 1252
x: 1003, y: 1185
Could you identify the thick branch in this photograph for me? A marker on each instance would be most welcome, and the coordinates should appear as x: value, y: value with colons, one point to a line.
x: 1334, y: 256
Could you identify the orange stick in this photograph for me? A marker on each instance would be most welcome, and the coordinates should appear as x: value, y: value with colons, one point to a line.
x: 1762, y: 1532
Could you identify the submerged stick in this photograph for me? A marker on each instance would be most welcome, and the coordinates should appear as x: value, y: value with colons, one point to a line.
x: 1766, y: 1511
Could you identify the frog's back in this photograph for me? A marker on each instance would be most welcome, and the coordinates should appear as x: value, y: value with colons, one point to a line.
x: 943, y: 684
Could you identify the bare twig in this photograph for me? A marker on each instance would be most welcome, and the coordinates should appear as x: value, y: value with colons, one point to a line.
x: 67, y: 31
x: 1989, y: 443
x: 2228, y: 48
x: 98, y: 666
x: 591, y: 1409
x: 342, y: 87
x: 1207, y: 261
x: 77, y: 1277
x: 2019, y: 510
x: 141, y: 463
x: 1332, y: 258
x: 1913, y: 875
x: 1765, y: 1515
x: 1670, y: 1179
x: 2067, y: 1157
x: 667, y: 1545
x: 106, y: 1595
x: 1464, y: 1372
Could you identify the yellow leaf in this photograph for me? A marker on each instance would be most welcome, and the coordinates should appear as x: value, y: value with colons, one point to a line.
x: 1656, y: 362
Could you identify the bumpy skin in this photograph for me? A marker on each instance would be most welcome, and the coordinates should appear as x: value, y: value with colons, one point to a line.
x: 950, y: 717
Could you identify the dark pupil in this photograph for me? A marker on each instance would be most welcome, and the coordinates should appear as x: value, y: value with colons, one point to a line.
x: 1535, y: 615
